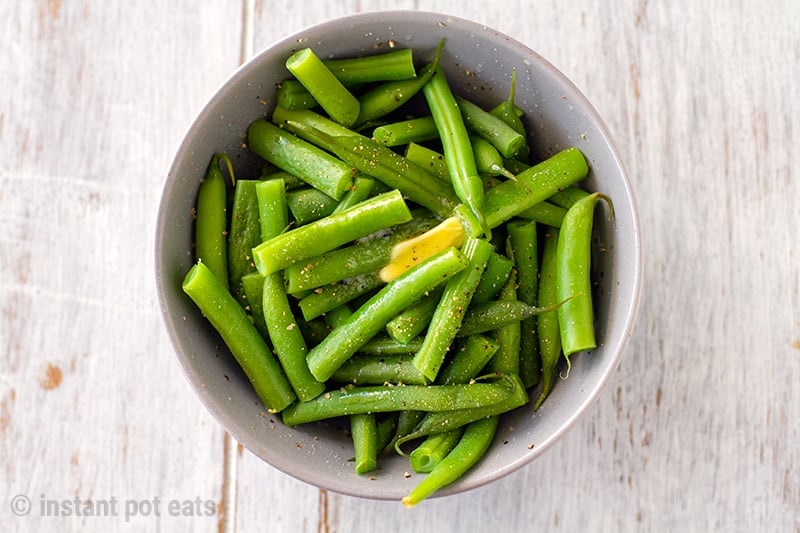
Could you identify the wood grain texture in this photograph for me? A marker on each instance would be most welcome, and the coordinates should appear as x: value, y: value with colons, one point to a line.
x: 697, y: 429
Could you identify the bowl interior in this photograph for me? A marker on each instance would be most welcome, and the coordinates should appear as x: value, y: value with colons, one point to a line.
x: 479, y: 63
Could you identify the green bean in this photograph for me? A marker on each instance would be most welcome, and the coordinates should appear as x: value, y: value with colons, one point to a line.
x: 364, y: 256
x: 534, y: 185
x: 323, y: 235
x: 381, y: 399
x: 417, y: 130
x: 471, y: 357
x: 379, y: 370
x: 240, y: 336
x: 360, y: 191
x: 498, y: 268
x: 291, y: 94
x: 433, y: 450
x: 392, y: 169
x: 545, y: 213
x: 502, y: 136
x: 506, y: 360
x: 389, y: 96
x: 273, y: 216
x: 487, y: 159
x: 323, y: 85
x: 441, y: 421
x: 406, y: 422
x: 447, y: 316
x: 547, y: 324
x: 568, y: 196
x: 386, y: 346
x: 287, y: 340
x: 338, y: 315
x: 508, y: 112
x: 244, y: 233
x: 211, y: 225
x: 470, y: 449
x: 371, y: 317
x: 309, y: 204
x: 319, y: 129
x: 524, y: 244
x: 300, y: 158
x: 493, y: 315
x: 407, y: 325
x: 428, y: 159
x: 364, y: 432
x: 457, y: 149
x: 253, y: 286
x: 393, y: 65
x: 325, y: 299
x: 290, y: 180
x: 387, y: 425
x: 573, y: 261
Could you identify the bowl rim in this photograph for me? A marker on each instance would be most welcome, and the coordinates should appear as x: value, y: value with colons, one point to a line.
x: 238, y: 429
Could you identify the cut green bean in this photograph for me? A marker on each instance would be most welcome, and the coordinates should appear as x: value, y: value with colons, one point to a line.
x: 388, y: 66
x: 364, y: 256
x: 253, y: 286
x: 428, y: 159
x: 240, y: 336
x: 415, y: 130
x: 497, y: 270
x: 323, y: 85
x: 534, y: 185
x: 389, y: 96
x: 487, y: 159
x: 371, y: 317
x: 386, y: 346
x: 548, y: 331
x: 508, y: 112
x: 438, y: 422
x: 323, y: 235
x: 308, y: 205
x: 457, y: 149
x: 447, y: 316
x: 364, y: 432
x: 545, y: 213
x: 406, y: 422
x: 524, y: 244
x: 244, y: 233
x: 410, y: 323
x: 470, y: 449
x: 470, y: 358
x: 325, y: 299
x: 360, y: 191
x: 568, y: 196
x: 211, y: 225
x: 292, y: 182
x: 502, y: 136
x: 493, y: 315
x: 298, y: 157
x: 273, y: 215
x: 506, y: 360
x: 392, y: 169
x: 379, y: 370
x: 433, y: 450
x: 381, y: 399
x: 573, y: 283
x: 291, y: 94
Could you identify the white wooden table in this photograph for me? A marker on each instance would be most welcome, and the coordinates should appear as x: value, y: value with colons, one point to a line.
x: 699, y: 429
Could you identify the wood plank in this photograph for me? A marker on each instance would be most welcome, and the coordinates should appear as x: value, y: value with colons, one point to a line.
x: 94, y: 405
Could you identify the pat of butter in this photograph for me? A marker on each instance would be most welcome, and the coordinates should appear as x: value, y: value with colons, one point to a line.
x: 411, y: 252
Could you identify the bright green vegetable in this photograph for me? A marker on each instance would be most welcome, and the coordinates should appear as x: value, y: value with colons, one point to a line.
x: 371, y: 317
x: 433, y: 450
x: 524, y: 244
x: 244, y: 233
x: 323, y: 235
x: 323, y: 85
x: 548, y: 332
x: 412, y: 130
x: 502, y: 136
x: 211, y: 225
x: 240, y: 336
x: 379, y: 370
x: 393, y: 65
x: 506, y: 360
x: 364, y: 431
x: 308, y: 205
x: 573, y: 284
x: 330, y: 297
x: 429, y: 159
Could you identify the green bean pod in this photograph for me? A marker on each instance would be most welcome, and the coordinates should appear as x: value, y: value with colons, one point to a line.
x: 249, y: 349
x: 211, y: 225
x: 470, y: 358
x: 244, y: 233
x: 291, y: 94
x: 573, y: 283
x: 371, y: 317
x: 364, y: 433
x: 433, y: 450
x: 524, y: 244
x: 379, y: 370
x: 392, y: 65
x: 545, y: 213
x: 502, y: 136
x: 506, y: 360
x: 326, y: 299
x: 323, y: 85
x: 494, y: 278
x: 309, y: 204
x: 416, y: 130
x: 429, y: 159
x: 323, y: 235
x: 410, y: 323
x: 547, y: 327
x: 382, y: 399
x: 470, y: 449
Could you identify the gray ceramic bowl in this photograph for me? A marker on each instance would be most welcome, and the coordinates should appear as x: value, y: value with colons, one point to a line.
x: 479, y: 62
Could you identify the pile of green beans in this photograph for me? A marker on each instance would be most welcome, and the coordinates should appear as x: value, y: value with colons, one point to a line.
x: 426, y: 363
